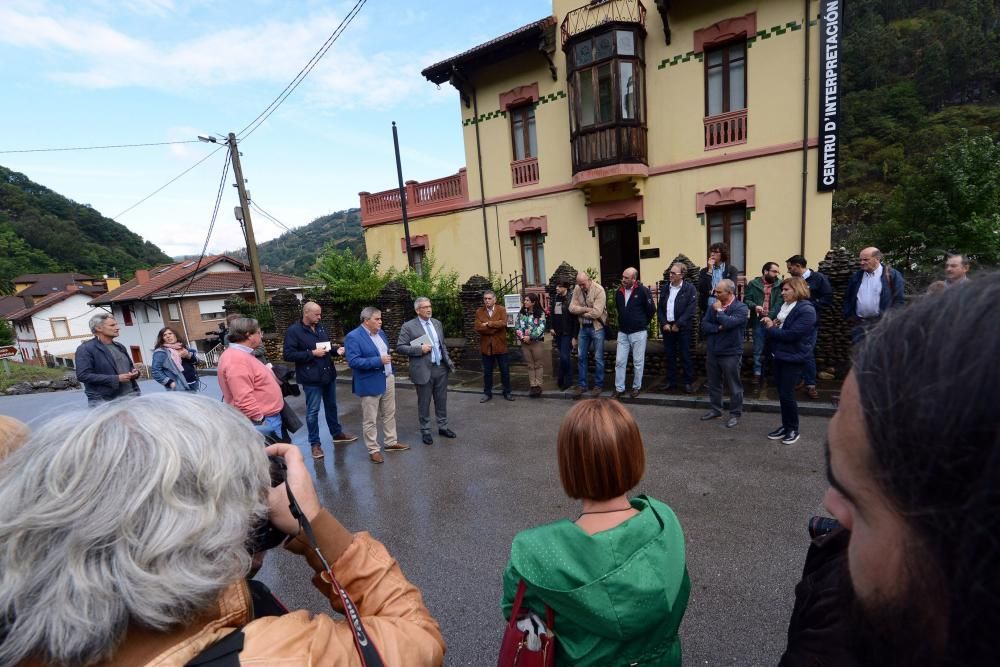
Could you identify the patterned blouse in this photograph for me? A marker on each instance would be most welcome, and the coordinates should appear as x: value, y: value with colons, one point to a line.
x: 529, y: 325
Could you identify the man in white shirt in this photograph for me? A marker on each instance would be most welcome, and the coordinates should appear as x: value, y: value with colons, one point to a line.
x: 675, y: 315
x: 871, y: 291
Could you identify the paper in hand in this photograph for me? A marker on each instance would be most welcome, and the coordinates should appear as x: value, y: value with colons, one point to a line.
x: 325, y: 346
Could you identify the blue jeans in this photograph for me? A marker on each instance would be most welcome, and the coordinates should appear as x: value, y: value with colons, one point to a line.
x: 587, y: 337
x: 564, y: 343
x: 328, y: 395
x: 758, y: 346
x: 809, y: 372
x: 636, y: 342
x: 272, y: 426
x: 678, y: 343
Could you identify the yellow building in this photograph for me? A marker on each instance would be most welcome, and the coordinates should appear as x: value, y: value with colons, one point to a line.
x: 614, y: 134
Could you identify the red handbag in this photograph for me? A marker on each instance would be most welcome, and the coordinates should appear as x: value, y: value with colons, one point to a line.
x: 514, y: 650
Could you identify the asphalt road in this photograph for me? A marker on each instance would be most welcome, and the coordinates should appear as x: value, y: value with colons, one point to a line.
x: 448, y: 512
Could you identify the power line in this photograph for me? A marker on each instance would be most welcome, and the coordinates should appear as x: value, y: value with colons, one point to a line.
x: 211, y: 225
x: 171, y: 181
x: 273, y: 219
x: 303, y: 73
x: 95, y: 148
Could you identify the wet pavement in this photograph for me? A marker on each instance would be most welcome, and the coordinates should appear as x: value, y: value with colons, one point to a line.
x: 448, y: 511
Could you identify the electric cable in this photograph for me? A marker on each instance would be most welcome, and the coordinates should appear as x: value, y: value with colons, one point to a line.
x: 303, y: 73
x: 95, y: 148
x: 211, y: 224
x: 170, y: 182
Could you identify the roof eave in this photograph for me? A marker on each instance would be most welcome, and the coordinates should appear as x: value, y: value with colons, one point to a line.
x: 524, y: 39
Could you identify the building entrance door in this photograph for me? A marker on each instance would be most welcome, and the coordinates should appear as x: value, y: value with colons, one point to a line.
x: 619, y: 246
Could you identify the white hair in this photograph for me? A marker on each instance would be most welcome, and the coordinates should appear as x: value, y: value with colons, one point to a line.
x: 97, y: 320
x: 137, y: 511
x: 419, y: 300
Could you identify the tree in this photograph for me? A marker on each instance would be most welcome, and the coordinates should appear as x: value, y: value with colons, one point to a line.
x: 6, y: 333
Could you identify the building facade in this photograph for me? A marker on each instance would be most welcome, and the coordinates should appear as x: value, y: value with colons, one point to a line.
x: 617, y: 133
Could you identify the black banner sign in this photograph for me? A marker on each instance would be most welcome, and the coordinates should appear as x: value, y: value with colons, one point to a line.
x: 831, y: 24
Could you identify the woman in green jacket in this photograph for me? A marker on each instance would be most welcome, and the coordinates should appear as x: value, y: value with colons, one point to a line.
x: 615, y: 577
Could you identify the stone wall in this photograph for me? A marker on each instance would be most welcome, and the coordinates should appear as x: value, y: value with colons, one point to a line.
x: 67, y: 381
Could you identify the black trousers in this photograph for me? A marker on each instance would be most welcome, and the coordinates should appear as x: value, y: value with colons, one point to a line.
x: 501, y: 360
x: 678, y: 344
x: 786, y: 375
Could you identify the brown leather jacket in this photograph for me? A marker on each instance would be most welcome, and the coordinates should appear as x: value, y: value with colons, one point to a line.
x: 391, y: 607
x: 492, y: 330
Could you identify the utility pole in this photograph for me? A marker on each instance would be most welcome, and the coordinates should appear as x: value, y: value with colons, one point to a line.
x: 258, y: 280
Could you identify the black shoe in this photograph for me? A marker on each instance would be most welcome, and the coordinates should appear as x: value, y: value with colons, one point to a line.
x: 777, y: 434
x: 790, y: 438
x: 485, y: 398
x: 508, y: 397
x: 711, y: 414
x: 688, y: 389
x: 447, y: 432
x: 428, y: 440
x: 732, y: 422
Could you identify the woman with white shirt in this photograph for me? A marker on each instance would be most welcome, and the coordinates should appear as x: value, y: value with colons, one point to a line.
x: 789, y: 337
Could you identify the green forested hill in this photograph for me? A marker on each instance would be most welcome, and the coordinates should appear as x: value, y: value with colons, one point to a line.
x: 295, y: 252
x: 920, y: 164
x: 42, y: 231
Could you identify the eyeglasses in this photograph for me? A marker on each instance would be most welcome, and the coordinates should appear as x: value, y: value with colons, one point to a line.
x: 676, y: 273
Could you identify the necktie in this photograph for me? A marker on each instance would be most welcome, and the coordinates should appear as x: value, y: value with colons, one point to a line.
x: 435, y: 353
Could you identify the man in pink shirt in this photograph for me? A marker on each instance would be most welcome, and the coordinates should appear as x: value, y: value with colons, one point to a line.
x: 246, y: 383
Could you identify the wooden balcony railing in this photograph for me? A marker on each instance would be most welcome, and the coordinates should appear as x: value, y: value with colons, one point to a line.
x: 727, y: 129
x: 594, y: 14
x: 425, y: 198
x: 524, y: 172
x: 607, y: 146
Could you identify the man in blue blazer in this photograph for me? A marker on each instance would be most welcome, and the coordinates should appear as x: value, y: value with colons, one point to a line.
x: 675, y: 315
x: 367, y: 350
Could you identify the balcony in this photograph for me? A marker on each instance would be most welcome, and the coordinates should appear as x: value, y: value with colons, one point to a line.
x: 524, y: 172
x: 727, y: 129
x: 429, y: 197
x: 597, y: 13
x: 601, y: 147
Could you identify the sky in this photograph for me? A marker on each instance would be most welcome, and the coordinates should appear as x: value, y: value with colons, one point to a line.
x: 100, y: 72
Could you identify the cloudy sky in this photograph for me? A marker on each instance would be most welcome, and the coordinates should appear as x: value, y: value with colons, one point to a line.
x: 98, y: 72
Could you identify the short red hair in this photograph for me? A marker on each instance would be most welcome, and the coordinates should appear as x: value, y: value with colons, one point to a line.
x: 600, y: 451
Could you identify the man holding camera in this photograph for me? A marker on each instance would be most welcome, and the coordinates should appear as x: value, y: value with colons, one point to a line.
x: 103, y: 365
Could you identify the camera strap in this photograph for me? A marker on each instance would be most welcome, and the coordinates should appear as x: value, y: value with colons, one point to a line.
x: 366, y: 649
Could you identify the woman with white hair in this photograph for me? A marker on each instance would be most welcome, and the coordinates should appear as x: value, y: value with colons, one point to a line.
x: 123, y: 541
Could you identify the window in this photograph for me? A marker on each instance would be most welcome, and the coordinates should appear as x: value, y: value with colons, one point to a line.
x: 127, y: 316
x: 605, y: 82
x: 533, y: 258
x: 136, y: 354
x: 148, y: 312
x: 173, y: 311
x: 418, y: 259
x: 212, y: 309
x: 726, y: 78
x: 60, y: 327
x: 522, y: 132
x: 728, y: 225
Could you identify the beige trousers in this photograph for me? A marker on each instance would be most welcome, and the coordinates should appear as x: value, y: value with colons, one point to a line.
x: 533, y: 358
x: 370, y: 408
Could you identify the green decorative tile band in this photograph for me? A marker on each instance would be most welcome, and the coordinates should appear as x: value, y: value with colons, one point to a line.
x: 499, y: 113
x: 790, y: 26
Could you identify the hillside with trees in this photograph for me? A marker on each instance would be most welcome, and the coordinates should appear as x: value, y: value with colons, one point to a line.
x: 920, y: 166
x: 42, y: 231
x: 296, y: 252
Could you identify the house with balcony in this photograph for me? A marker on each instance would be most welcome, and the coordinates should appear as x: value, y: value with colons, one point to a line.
x: 619, y: 133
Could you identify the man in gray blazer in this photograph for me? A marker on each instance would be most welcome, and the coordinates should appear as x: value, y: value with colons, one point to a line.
x: 429, y: 368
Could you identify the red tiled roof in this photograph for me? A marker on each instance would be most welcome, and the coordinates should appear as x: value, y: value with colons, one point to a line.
x: 10, y: 304
x: 229, y: 281
x: 441, y: 72
x: 43, y: 284
x: 35, y: 277
x: 160, y: 278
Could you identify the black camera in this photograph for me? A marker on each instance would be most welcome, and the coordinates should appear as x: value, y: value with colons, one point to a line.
x: 822, y: 525
x: 265, y: 535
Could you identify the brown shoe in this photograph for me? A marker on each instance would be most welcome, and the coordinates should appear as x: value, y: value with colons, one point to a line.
x: 317, y: 451
x: 616, y: 394
x: 595, y: 392
x: 577, y: 392
x: 811, y: 392
x: 634, y: 393
x: 376, y: 457
x: 343, y: 436
x: 398, y: 447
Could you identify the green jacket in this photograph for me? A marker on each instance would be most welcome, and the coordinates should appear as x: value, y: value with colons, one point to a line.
x: 754, y: 296
x: 618, y: 595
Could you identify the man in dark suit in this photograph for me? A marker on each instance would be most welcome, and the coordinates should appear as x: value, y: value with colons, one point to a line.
x: 675, y: 313
x: 429, y: 367
x: 871, y: 291
x: 103, y: 366
x: 373, y: 380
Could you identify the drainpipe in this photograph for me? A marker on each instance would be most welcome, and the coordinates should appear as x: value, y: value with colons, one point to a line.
x: 479, y: 158
x: 805, y: 129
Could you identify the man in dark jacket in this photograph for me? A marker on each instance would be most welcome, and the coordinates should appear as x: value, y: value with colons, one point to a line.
x: 871, y: 291
x: 563, y: 328
x: 821, y: 296
x: 103, y: 366
x: 718, y: 269
x: 308, y: 345
x: 723, y: 327
x: 760, y: 295
x: 634, y: 304
x: 675, y: 313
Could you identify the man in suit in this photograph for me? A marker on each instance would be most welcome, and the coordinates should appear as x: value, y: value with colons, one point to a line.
x: 675, y: 314
x: 872, y: 290
x: 103, y: 366
x: 373, y: 380
x: 429, y: 367
x: 491, y: 325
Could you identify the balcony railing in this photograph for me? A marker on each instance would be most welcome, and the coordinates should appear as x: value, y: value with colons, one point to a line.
x: 727, y: 129
x: 597, y: 13
x: 607, y: 146
x: 424, y: 198
x: 524, y: 172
